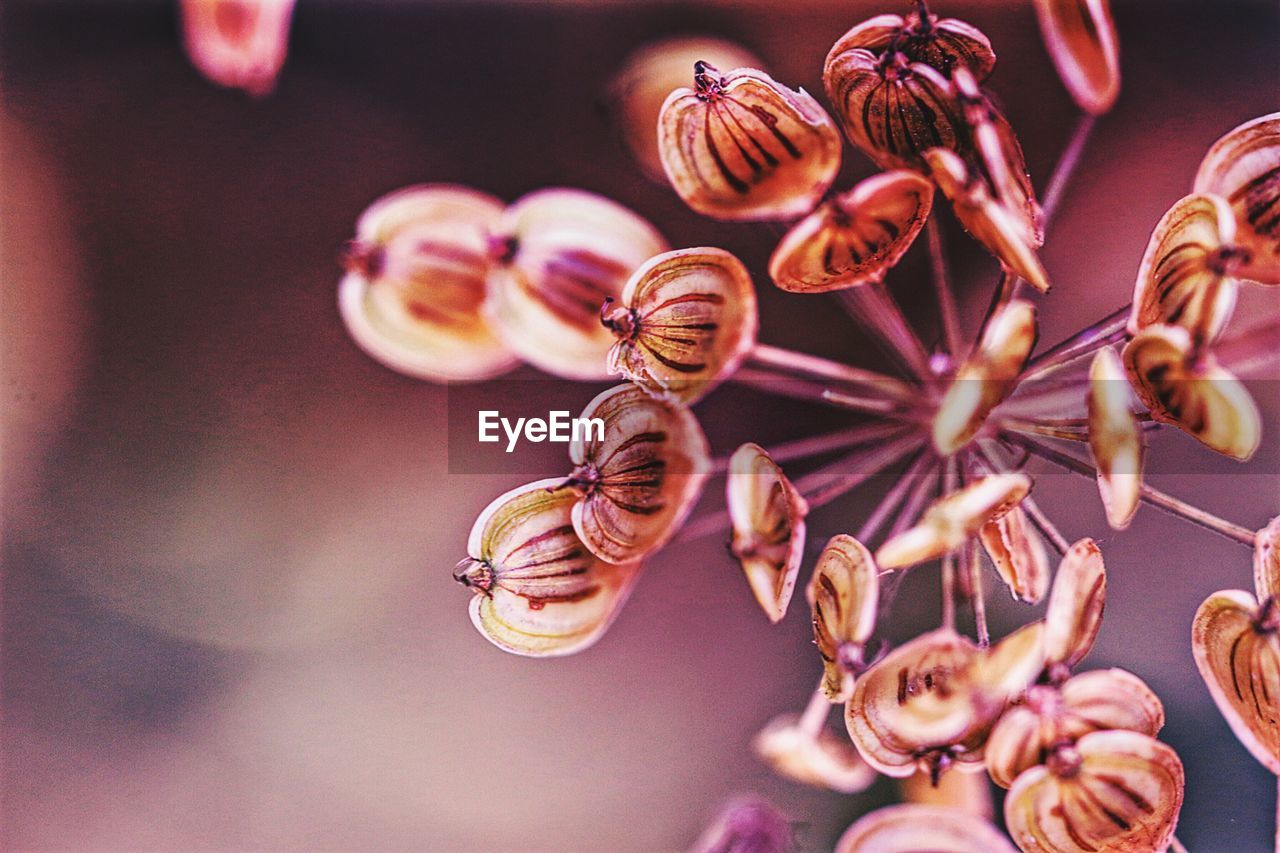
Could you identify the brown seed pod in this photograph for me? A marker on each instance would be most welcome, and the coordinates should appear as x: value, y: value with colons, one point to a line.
x: 1113, y: 790
x: 911, y: 828
x: 843, y: 595
x: 990, y: 223
x: 856, y: 237
x: 1081, y: 39
x: 892, y: 109
x: 638, y: 483
x: 1018, y: 555
x: 1244, y: 168
x: 240, y: 44
x: 1237, y: 651
x: 1185, y: 276
x: 1115, y: 438
x: 1192, y: 391
x: 823, y: 760
x: 1266, y: 560
x: 559, y: 254
x: 415, y: 284
x: 649, y: 75
x: 686, y: 321
x: 945, y: 44
x: 953, y: 520
x: 987, y: 377
x: 538, y: 591
x: 768, y: 527
x: 742, y: 146
x: 1074, y: 613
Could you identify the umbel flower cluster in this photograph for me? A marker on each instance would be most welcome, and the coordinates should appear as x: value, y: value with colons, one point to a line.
x: 447, y: 283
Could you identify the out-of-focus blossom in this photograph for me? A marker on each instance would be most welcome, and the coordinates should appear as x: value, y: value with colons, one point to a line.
x: 240, y: 44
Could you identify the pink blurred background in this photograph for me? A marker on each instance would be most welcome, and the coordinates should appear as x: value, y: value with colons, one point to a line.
x: 228, y: 617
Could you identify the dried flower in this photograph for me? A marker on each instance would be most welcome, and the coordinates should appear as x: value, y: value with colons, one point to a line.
x: 1244, y: 168
x: 822, y: 760
x: 240, y: 44
x: 1082, y: 43
x: 953, y: 520
x: 768, y: 527
x: 1115, y: 439
x: 912, y: 828
x: 843, y: 594
x: 945, y: 44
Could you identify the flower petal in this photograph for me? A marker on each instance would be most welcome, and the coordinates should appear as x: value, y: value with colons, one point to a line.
x: 843, y: 595
x: 1074, y: 613
x: 1244, y: 168
x: 911, y: 828
x: 823, y: 761
x: 1081, y: 38
x: 1115, y: 439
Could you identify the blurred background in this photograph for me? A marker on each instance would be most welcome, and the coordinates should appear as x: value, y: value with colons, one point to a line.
x: 228, y: 617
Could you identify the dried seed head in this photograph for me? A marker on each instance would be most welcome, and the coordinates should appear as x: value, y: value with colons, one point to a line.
x: 1018, y: 555
x: 1192, y: 391
x: 538, y: 591
x: 741, y: 146
x: 559, y: 254
x: 637, y: 484
x: 746, y: 826
x: 945, y: 44
x: 843, y: 595
x: 1115, y: 438
x: 823, y: 760
x: 969, y: 793
x: 1185, y: 278
x: 983, y: 216
x: 768, y: 527
x: 650, y: 74
x: 987, y: 377
x: 1074, y: 613
x: 240, y: 44
x: 953, y: 520
x: 1237, y: 650
x: 1115, y: 790
x: 911, y: 828
x: 1244, y: 168
x: 1266, y: 560
x: 686, y: 321
x: 1081, y: 39
x: 415, y: 284
x: 854, y: 238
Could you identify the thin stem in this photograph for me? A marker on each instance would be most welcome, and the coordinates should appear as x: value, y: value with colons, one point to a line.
x: 915, y: 501
x: 1047, y: 528
x: 821, y: 487
x: 1066, y: 166
x: 1110, y: 329
x: 815, y: 713
x: 979, y: 599
x: 819, y: 445
x: 1033, y: 428
x: 875, y: 308
x: 950, y: 482
x: 811, y: 392
x: 868, y: 404
x: 1176, y: 846
x: 947, y: 311
x: 1252, y: 350
x: 895, y: 496
x: 822, y: 368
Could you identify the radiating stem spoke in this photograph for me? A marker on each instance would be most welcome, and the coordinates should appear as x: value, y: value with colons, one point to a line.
x: 814, y: 392
x: 1045, y: 525
x: 1066, y: 167
x: 1110, y: 329
x: 918, y: 469
x: 815, y: 713
x: 802, y: 364
x: 1252, y: 351
x: 875, y: 308
x: 947, y: 311
x: 979, y: 599
x: 950, y: 482
x: 823, y: 486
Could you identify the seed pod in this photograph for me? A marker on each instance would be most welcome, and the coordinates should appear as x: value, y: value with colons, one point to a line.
x: 538, y: 591
x: 911, y: 828
x: 240, y: 44
x: 1185, y: 276
x: 823, y: 760
x: 768, y: 527
x: 639, y: 482
x: 987, y: 377
x: 1237, y: 651
x: 1018, y: 555
x: 686, y: 321
x: 1115, y: 439
x: 1081, y: 39
x: 1010, y: 666
x: 559, y: 254
x: 742, y: 146
x: 892, y: 109
x: 1192, y: 391
x: 843, y: 595
x: 415, y: 284
x: 649, y: 75
x: 1074, y: 613
x: 854, y: 238
x: 953, y: 520
x: 945, y: 44
x: 985, y: 218
x: 749, y: 824
x: 969, y: 793
x: 1244, y: 168
x: 1113, y: 790
x: 1266, y: 560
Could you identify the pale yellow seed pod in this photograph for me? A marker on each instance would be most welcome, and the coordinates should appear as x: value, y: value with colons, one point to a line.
x: 944, y: 44
x: 1074, y: 614
x: 767, y: 514
x: 240, y: 44
x: 912, y: 828
x: 1115, y: 439
x: 415, y: 285
x: 1018, y: 555
x: 823, y: 760
x: 1266, y: 560
x: 1081, y: 39
x: 843, y: 595
x: 1244, y: 168
x: 741, y: 146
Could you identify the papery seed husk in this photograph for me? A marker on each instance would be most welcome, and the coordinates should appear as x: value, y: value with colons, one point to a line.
x: 1081, y: 39
x: 1115, y: 439
x: 560, y: 254
x: 1239, y: 660
x: 639, y: 483
x: 1018, y: 555
x: 1017, y: 740
x: 913, y: 828
x: 1076, y: 604
x: 1244, y: 168
x: 1124, y: 796
x: 1266, y: 560
x: 741, y: 146
x: 822, y: 761
x: 240, y: 44
x: 843, y: 595
x: 1004, y: 671
x: 969, y: 793
x: 539, y: 591
x: 1192, y: 391
x: 412, y: 296
x: 944, y: 44
x: 856, y: 237
x: 686, y: 322
x: 767, y: 514
x: 1183, y: 279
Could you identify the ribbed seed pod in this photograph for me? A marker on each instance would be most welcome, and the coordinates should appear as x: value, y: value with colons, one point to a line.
x: 1115, y: 438
x: 1266, y: 560
x: 912, y: 828
x: 1081, y: 38
x: 1074, y: 613
x: 768, y: 527
x: 1244, y: 168
x: 843, y: 595
x: 945, y: 44
x: 1018, y: 555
